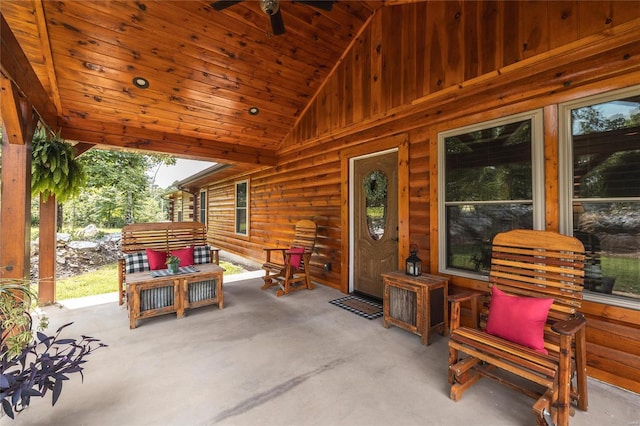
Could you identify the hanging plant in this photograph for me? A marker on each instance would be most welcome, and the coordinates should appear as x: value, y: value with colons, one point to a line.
x: 54, y: 168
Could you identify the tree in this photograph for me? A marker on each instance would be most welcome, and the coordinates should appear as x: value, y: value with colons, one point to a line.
x: 118, y: 189
x: 614, y: 172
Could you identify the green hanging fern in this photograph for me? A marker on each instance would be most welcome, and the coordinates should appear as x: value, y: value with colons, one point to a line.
x: 54, y: 169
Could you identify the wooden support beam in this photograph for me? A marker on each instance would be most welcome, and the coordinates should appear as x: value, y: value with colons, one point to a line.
x: 15, y: 209
x: 11, y: 111
x: 47, y: 251
x: 82, y: 147
x: 154, y: 141
x: 46, y: 53
x: 15, y: 66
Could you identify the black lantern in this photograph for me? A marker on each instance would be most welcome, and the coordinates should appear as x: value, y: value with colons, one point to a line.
x: 413, y: 265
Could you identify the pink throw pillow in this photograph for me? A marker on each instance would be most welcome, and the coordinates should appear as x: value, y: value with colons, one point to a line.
x: 296, y: 256
x: 185, y: 255
x: 157, y: 259
x: 518, y: 319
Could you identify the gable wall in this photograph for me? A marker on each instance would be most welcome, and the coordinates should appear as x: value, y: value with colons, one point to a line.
x: 422, y: 68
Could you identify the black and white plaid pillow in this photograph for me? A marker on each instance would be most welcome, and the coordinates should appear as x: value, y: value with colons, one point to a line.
x: 201, y: 254
x: 136, y: 262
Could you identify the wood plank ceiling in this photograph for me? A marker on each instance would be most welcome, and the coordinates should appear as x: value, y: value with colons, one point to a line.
x: 206, y: 68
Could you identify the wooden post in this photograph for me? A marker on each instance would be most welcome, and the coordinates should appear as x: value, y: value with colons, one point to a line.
x: 15, y: 210
x: 47, y: 249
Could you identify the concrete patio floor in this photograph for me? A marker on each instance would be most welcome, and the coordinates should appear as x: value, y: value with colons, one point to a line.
x: 293, y: 360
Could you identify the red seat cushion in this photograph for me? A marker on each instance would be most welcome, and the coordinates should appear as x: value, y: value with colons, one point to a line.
x: 185, y: 255
x: 296, y: 256
x: 157, y: 259
x: 518, y: 319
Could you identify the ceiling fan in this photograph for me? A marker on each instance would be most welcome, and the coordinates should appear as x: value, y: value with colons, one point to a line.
x: 272, y: 8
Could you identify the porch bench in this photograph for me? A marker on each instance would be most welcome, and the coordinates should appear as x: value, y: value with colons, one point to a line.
x: 173, y: 293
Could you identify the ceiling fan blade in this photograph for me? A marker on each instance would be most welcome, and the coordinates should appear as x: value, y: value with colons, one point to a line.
x: 223, y: 4
x: 322, y: 5
x: 277, y: 24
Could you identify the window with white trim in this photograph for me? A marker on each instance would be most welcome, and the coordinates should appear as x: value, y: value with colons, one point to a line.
x: 242, y: 207
x: 490, y: 180
x: 600, y: 198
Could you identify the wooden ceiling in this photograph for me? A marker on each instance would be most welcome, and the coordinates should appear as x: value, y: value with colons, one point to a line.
x: 205, y: 69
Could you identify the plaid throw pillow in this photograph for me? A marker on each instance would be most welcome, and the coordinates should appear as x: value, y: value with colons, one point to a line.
x: 201, y: 254
x: 136, y: 262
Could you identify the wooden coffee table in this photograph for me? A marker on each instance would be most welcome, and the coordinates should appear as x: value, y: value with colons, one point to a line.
x: 149, y: 296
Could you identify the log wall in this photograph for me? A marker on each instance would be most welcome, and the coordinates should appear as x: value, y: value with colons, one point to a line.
x: 184, y: 202
x: 426, y: 67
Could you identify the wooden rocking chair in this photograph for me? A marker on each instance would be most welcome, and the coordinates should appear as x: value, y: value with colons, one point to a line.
x: 534, y: 266
x: 291, y: 271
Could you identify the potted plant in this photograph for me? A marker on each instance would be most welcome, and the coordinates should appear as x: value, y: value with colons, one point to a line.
x: 173, y: 262
x: 32, y: 366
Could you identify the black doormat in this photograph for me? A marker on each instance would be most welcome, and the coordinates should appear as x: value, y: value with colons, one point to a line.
x: 359, y: 306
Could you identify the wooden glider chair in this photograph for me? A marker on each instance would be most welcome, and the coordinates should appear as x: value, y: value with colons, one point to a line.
x: 291, y: 271
x: 538, y: 335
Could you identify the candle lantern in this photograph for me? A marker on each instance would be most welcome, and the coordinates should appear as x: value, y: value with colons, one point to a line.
x: 413, y: 265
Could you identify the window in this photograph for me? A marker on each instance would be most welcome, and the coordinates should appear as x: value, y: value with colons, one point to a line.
x: 601, y: 191
x: 375, y: 188
x: 242, y: 207
x: 490, y: 181
x: 202, y: 205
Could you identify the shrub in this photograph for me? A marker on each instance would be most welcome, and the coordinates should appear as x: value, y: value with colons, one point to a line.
x: 31, y: 367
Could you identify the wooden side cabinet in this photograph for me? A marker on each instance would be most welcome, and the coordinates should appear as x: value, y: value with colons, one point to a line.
x: 416, y: 304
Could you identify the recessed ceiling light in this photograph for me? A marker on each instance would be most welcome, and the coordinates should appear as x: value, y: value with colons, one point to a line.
x: 140, y: 82
x: 254, y: 111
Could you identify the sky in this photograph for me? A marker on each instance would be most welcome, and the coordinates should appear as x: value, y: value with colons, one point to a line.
x: 184, y: 168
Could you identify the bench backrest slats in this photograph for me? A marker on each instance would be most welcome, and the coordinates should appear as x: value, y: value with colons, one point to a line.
x: 534, y: 264
x: 305, y: 235
x: 164, y: 236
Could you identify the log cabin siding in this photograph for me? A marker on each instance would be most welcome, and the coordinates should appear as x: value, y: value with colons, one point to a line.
x: 181, y: 206
x: 465, y: 40
x: 418, y: 69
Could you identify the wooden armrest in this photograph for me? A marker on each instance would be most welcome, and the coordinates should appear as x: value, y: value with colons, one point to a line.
x: 121, y: 266
x: 456, y: 299
x: 462, y: 297
x: 459, y: 297
x: 271, y: 249
x: 121, y: 274
x: 215, y: 255
x: 570, y: 327
x: 289, y: 252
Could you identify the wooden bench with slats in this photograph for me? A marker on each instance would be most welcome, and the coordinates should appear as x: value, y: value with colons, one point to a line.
x: 164, y: 236
x: 537, y: 264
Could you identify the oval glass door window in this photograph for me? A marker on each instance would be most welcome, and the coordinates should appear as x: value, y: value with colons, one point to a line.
x: 375, y: 188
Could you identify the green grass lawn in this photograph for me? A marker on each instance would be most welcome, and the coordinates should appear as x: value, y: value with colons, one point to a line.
x: 625, y: 270
x: 105, y: 280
